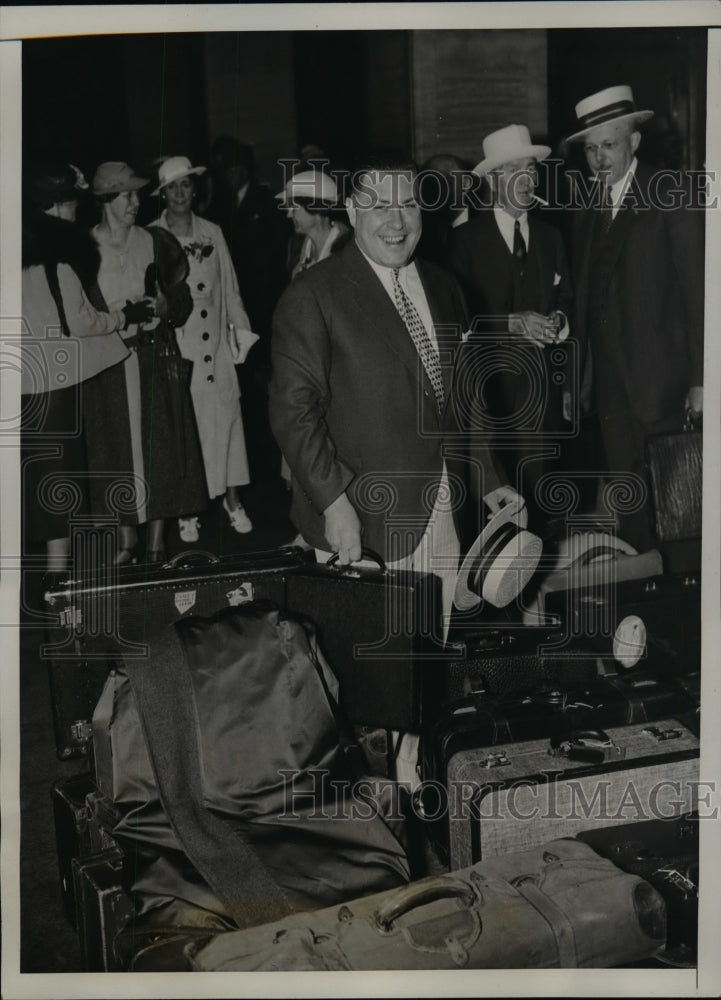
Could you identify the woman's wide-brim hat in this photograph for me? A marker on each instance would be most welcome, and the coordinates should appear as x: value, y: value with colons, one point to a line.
x: 115, y: 177
x: 614, y: 104
x: 53, y: 183
x: 313, y: 185
x: 174, y: 169
x: 500, y: 562
x: 506, y: 144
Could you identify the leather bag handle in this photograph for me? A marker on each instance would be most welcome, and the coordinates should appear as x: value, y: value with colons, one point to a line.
x: 418, y: 894
x: 365, y: 554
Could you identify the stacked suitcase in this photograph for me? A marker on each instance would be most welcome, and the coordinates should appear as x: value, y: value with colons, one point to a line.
x: 519, y: 720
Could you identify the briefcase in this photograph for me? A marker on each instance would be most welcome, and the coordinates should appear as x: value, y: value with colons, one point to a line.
x: 96, y: 619
x: 675, y: 466
x: 514, y: 796
x: 381, y: 631
x: 559, y: 905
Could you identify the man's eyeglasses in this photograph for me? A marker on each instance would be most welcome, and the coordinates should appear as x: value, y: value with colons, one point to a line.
x: 605, y: 147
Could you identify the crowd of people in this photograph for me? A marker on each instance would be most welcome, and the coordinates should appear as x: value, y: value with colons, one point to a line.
x: 389, y: 346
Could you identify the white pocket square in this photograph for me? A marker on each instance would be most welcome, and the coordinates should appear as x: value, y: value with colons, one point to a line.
x: 556, y: 279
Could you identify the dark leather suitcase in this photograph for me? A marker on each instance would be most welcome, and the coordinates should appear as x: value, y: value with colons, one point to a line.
x: 669, y: 607
x: 513, y: 796
x: 381, y: 632
x: 103, y: 908
x: 510, y: 661
x: 95, y: 619
x: 666, y: 854
x: 556, y: 906
x: 72, y: 833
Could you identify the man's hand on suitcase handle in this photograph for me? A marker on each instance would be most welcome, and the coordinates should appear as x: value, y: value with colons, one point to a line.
x: 343, y: 530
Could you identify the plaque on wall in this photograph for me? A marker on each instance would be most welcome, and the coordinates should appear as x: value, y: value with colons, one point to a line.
x: 465, y: 84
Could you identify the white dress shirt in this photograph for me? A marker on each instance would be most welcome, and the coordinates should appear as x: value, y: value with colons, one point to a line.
x: 506, y: 225
x: 410, y: 282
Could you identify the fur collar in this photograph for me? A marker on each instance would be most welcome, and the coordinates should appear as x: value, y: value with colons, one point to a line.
x: 49, y: 241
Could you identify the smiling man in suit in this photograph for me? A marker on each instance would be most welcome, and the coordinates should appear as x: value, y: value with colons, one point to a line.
x: 639, y: 273
x: 364, y: 347
x: 512, y: 267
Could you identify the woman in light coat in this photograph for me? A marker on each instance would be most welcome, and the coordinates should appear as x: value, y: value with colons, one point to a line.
x: 215, y: 337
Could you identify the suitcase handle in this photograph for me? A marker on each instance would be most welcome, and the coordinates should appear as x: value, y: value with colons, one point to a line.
x: 365, y: 554
x: 420, y: 893
x: 190, y: 558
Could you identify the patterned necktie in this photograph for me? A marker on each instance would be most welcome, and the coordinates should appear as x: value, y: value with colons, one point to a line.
x: 519, y: 244
x: 419, y: 336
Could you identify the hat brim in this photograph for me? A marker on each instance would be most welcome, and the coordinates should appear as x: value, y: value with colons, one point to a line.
x: 524, y: 153
x: 178, y: 177
x: 639, y: 116
x: 284, y: 197
x: 132, y: 185
x: 524, y: 546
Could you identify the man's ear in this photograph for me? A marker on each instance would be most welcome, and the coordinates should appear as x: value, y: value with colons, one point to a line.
x: 350, y: 209
x: 635, y: 139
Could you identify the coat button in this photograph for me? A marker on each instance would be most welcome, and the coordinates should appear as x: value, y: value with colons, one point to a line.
x: 206, y: 336
x: 201, y: 286
x: 211, y: 378
x: 207, y: 359
x: 203, y: 313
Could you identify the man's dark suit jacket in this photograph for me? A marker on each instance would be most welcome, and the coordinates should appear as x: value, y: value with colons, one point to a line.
x: 654, y: 300
x: 352, y: 408
x: 479, y: 258
x: 517, y: 395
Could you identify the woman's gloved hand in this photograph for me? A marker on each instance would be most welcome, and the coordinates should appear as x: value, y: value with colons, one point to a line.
x: 138, y: 312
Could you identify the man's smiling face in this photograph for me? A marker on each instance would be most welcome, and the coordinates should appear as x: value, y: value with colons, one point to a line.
x: 386, y: 217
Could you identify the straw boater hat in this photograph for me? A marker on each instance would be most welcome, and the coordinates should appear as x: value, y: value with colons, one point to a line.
x: 174, y: 169
x: 510, y: 143
x: 311, y: 184
x: 500, y: 562
x: 614, y: 104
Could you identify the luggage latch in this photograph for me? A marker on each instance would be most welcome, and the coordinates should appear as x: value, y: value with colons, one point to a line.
x: 495, y: 760
x: 662, y: 734
x: 71, y: 616
x: 81, y: 731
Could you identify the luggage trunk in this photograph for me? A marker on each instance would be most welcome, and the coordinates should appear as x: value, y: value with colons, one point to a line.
x: 97, y: 619
x: 513, y: 796
x: 381, y: 631
x: 556, y: 906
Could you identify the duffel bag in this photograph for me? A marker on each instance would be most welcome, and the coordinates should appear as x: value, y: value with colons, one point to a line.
x: 235, y: 776
x: 557, y: 906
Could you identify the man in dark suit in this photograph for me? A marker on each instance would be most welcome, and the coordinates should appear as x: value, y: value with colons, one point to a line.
x: 361, y: 400
x: 639, y: 274
x: 512, y: 267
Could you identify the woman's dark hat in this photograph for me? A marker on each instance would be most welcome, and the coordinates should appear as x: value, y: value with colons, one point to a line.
x: 500, y: 562
x: 47, y: 184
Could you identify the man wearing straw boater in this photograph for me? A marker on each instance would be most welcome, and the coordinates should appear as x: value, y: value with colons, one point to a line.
x: 639, y: 283
x: 513, y: 269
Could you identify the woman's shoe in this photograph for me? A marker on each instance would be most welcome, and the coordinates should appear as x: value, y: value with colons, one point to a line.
x: 189, y: 528
x: 239, y: 520
x: 125, y: 557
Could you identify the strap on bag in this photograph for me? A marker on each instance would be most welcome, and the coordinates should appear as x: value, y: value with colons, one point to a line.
x: 557, y: 920
x: 166, y: 704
